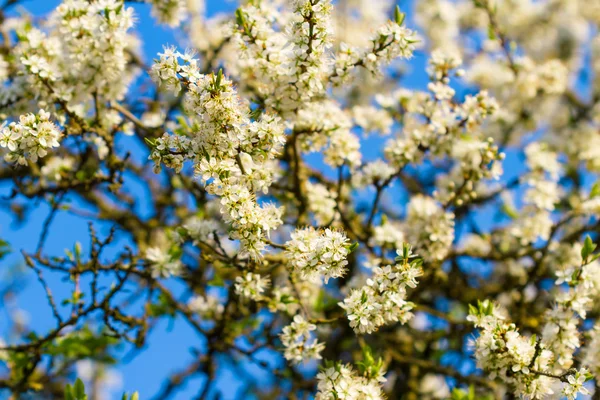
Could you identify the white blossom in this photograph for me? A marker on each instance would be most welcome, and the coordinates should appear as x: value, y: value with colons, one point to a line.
x: 318, y: 254
x: 343, y: 382
x: 296, y: 338
x: 251, y: 286
x: 30, y: 138
x: 162, y: 264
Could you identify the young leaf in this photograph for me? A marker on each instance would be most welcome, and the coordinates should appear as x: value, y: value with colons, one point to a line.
x: 79, y: 390
x: 353, y: 247
x: 595, y: 190
x: 399, y: 16
x: 587, y: 249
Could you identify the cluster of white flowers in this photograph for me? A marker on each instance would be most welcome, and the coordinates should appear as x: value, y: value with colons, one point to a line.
x: 502, y: 351
x: 325, y: 123
x: 434, y: 387
x: 372, y: 119
x: 57, y: 167
x: 201, y: 229
x: 356, y: 20
x: 549, y: 77
x: 442, y: 63
x: 575, y: 383
x: 542, y: 195
x: 30, y: 138
x: 440, y: 19
x: 290, y: 64
x: 309, y: 33
x: 373, y: 173
x: 382, y: 300
x: 560, y: 333
x: 296, y: 340
x: 163, y: 264
x: 170, y: 12
x: 475, y: 160
x: 282, y: 299
x: 289, y: 54
x: 476, y: 245
x: 524, y: 363
x: 544, y: 172
x: 390, y: 41
x: 321, y: 203
x: 436, y: 126
x: 344, y: 382
x: 428, y: 225
x: 251, y: 286
x: 231, y: 153
x: 591, y: 352
x: 207, y: 307
x: 84, y: 53
x: 316, y: 255
x: 389, y: 234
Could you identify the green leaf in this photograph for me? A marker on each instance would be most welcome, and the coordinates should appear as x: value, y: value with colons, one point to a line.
x: 134, y: 396
x: 4, y: 248
x: 77, y: 250
x: 587, y: 249
x: 399, y: 16
x: 363, y: 297
x: 595, y: 190
x: 239, y: 17
x: 472, y: 310
x: 417, y: 263
x: 510, y: 211
x: 353, y: 247
x: 588, y: 376
x: 219, y: 79
x: 79, y: 390
x: 69, y: 392
x: 491, y: 33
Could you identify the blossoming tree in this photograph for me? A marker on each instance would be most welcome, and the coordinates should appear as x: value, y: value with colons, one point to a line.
x: 305, y: 211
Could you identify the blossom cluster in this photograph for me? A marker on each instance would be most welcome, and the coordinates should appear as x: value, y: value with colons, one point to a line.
x: 520, y: 361
x: 207, y: 307
x: 296, y: 340
x: 251, y: 286
x: 382, y: 300
x: 430, y: 226
x: 560, y: 333
x: 290, y: 54
x: 170, y: 12
x: 291, y: 61
x: 390, y: 41
x: 436, y: 127
x: 344, y: 382
x: 163, y: 264
x: 314, y: 255
x: 231, y: 153
x: 542, y: 195
x: 30, y: 138
x: 85, y: 52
